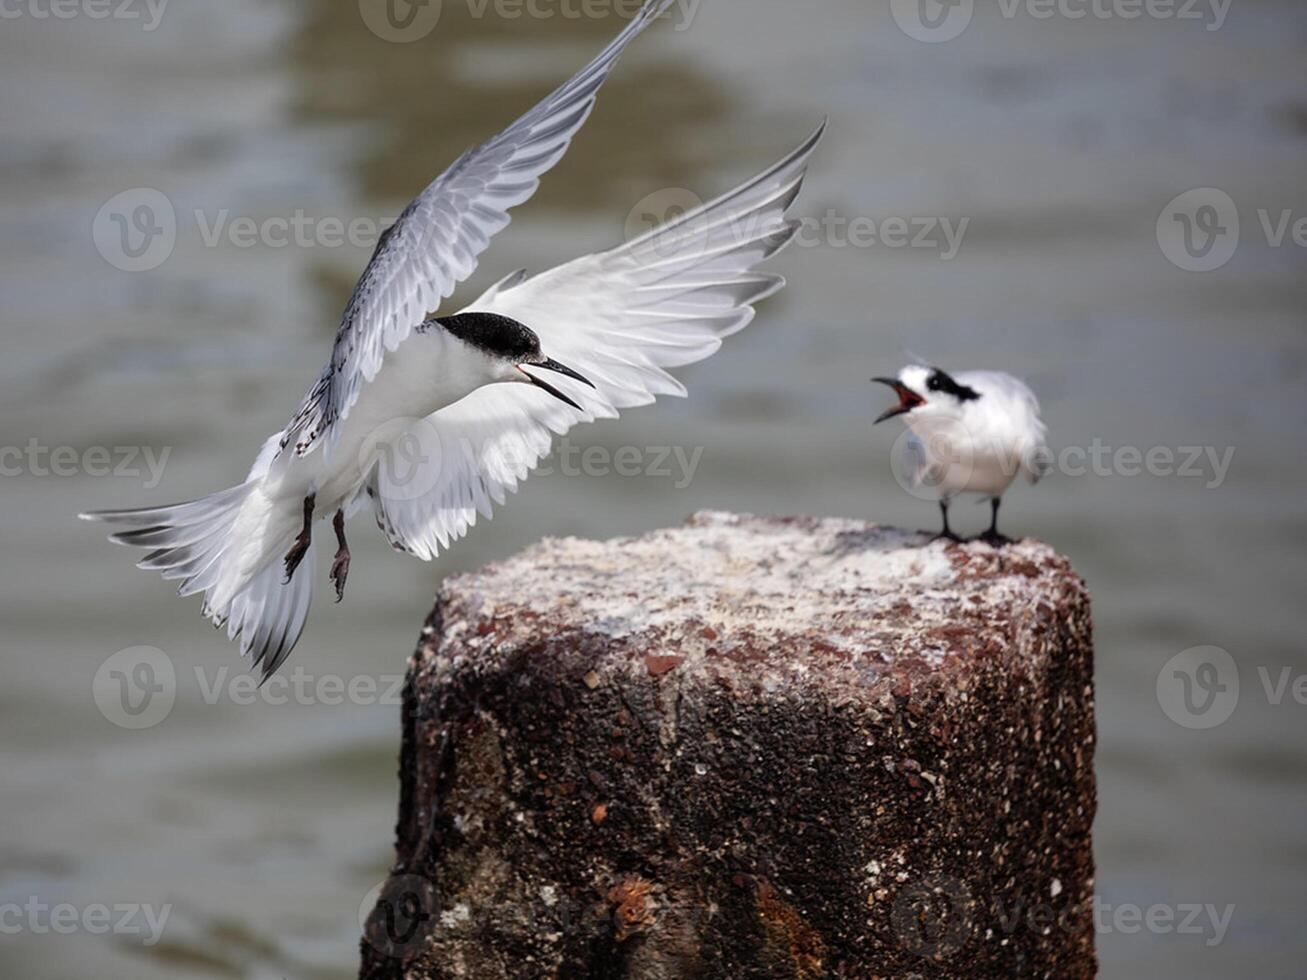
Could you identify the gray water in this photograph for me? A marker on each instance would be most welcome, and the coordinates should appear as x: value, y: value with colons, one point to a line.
x: 260, y: 828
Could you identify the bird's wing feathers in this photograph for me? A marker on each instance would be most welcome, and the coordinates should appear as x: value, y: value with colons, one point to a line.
x: 621, y: 318
x: 1004, y: 385
x: 462, y: 460
x: 1016, y: 406
x: 436, y: 241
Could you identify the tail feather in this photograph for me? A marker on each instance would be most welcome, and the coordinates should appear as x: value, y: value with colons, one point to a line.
x: 171, y: 514
x: 198, y: 543
x: 185, y: 538
x: 268, y: 615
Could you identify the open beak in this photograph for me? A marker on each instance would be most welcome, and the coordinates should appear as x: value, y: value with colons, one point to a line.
x: 549, y: 364
x: 908, y: 399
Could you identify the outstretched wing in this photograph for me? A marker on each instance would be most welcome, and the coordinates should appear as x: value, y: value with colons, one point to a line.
x: 436, y: 241
x: 621, y: 318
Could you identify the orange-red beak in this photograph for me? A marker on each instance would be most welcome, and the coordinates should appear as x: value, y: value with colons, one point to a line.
x: 908, y: 399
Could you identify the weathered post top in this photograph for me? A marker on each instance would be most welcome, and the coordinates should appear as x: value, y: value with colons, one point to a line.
x: 745, y: 747
x: 823, y: 604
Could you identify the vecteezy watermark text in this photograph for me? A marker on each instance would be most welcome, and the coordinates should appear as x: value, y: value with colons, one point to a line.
x: 652, y: 213
x: 137, y: 688
x: 39, y: 917
x: 1208, y: 463
x: 300, y: 229
x: 147, y: 12
x: 415, y: 457
x: 406, y: 21
x: 935, y: 21
x: 921, y: 463
x: 675, y: 463
x: 137, y: 230
x: 834, y: 230
x: 39, y: 460
x: 937, y: 916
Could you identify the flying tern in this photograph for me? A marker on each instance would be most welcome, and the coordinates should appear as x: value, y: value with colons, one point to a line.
x: 970, y: 433
x: 432, y: 420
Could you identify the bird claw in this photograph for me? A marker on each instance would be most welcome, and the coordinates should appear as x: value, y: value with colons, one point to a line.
x: 340, y: 571
x: 295, y: 556
x: 994, y: 539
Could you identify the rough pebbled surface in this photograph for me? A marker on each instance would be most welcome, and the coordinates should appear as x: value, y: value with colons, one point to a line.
x: 748, y: 747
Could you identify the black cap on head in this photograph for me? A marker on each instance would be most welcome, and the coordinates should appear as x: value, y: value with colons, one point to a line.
x: 941, y: 381
x: 498, y: 336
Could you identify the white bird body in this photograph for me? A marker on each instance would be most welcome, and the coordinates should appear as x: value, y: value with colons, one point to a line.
x: 972, y: 432
x: 431, y: 370
x: 435, y: 420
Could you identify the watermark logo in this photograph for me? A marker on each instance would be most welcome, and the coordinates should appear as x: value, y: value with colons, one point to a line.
x: 136, y: 231
x: 647, y: 225
x: 1199, y: 687
x: 409, y: 455
x: 398, y: 915
x: 400, y: 21
x: 933, y: 917
x: 136, y: 687
x: 1198, y: 231
x: 941, y: 455
x: 932, y: 21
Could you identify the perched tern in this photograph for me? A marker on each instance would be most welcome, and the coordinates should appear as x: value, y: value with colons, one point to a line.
x: 467, y: 403
x: 970, y: 433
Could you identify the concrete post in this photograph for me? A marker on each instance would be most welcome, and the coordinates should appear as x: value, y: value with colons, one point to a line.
x: 748, y: 747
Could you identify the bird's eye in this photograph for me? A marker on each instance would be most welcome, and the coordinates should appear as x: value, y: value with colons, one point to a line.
x: 934, y: 383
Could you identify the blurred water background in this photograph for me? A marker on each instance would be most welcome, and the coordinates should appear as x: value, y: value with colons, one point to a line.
x: 1060, y: 141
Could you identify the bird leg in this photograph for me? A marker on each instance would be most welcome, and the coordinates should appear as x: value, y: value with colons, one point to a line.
x: 340, y: 567
x: 992, y: 537
x: 301, y: 546
x: 946, y: 534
